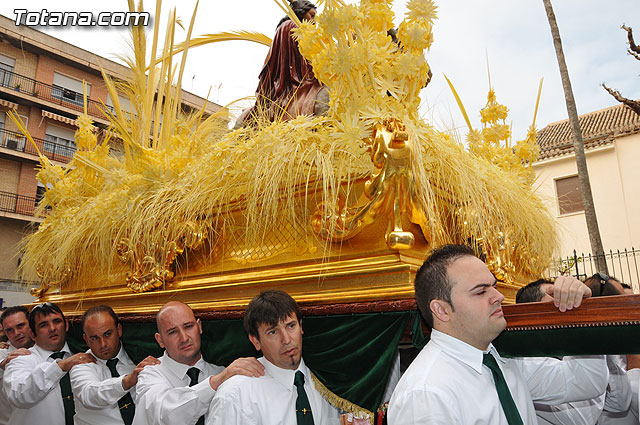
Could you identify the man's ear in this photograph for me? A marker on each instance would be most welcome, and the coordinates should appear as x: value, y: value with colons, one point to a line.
x: 66, y: 325
x: 119, y: 329
x: 159, y: 340
x: 84, y: 336
x: 256, y: 342
x: 199, y: 325
x: 440, y: 310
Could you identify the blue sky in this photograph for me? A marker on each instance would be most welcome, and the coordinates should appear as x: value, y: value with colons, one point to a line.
x: 514, y: 35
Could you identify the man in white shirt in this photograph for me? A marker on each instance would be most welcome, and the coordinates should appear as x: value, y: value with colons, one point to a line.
x: 617, y: 397
x: 180, y: 388
x: 459, y: 377
x: 37, y: 385
x: 104, y: 391
x: 286, y: 394
x: 16, y: 321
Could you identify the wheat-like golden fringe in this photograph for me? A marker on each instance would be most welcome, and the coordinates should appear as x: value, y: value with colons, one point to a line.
x: 190, y: 169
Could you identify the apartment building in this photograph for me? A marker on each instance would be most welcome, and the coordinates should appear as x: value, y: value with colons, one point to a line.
x: 41, y: 80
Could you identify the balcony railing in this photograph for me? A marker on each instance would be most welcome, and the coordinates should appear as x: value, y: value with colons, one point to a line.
x: 18, y: 204
x: 51, y: 93
x: 19, y: 143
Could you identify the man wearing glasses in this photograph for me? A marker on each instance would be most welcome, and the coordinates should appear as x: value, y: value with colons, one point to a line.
x: 38, y: 384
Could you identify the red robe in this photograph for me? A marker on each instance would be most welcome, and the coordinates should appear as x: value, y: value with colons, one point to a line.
x: 287, y: 86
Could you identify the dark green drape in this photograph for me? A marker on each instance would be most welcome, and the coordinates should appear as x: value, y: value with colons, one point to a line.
x: 352, y: 355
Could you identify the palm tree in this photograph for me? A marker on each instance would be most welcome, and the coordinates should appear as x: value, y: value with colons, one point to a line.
x: 578, y: 146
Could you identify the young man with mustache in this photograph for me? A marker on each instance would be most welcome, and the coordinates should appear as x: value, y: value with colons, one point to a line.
x: 286, y: 394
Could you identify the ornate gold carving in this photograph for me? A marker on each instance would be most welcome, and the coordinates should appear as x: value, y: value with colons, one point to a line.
x: 45, y: 284
x: 389, y: 191
x: 498, y: 259
x: 151, y: 267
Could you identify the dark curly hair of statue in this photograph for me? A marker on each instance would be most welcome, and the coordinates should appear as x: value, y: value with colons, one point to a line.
x: 300, y: 8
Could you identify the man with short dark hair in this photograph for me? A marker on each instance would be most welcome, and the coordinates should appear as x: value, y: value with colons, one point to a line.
x: 534, y: 292
x: 459, y: 377
x: 105, y: 391
x: 180, y: 388
x: 38, y: 384
x: 16, y: 322
x: 286, y: 394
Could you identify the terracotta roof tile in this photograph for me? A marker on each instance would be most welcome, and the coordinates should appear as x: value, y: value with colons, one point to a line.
x: 598, y: 128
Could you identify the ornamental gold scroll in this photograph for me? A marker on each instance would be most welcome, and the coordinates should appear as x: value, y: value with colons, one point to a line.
x: 389, y: 192
x: 152, y: 266
x: 46, y: 285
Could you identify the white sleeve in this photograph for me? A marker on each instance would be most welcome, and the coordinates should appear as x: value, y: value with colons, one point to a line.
x: 159, y: 403
x: 26, y: 382
x: 618, y: 396
x: 553, y: 381
x: 3, y: 355
x: 89, y: 388
x: 422, y: 407
x: 226, y: 409
x: 634, y: 383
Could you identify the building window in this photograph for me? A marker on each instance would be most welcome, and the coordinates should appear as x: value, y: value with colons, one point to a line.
x: 6, y: 70
x: 68, y: 89
x: 569, y: 195
x: 58, y: 145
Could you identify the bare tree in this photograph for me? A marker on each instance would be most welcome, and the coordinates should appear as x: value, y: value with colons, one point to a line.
x: 578, y: 145
x: 634, y: 51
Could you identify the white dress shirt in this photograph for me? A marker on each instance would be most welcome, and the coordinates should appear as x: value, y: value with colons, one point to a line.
x: 5, y: 407
x: 32, y: 386
x: 448, y: 384
x: 630, y: 415
x: 96, y: 392
x: 268, y: 400
x: 587, y: 412
x: 164, y: 396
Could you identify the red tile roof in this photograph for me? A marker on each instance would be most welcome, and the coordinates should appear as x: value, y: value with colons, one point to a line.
x: 598, y: 128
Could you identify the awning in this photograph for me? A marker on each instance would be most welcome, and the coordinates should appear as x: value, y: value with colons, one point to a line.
x: 8, y: 104
x: 57, y: 117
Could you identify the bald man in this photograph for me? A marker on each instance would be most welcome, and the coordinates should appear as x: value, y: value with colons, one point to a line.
x: 180, y: 388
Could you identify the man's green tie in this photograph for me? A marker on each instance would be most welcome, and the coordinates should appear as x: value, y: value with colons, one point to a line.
x: 67, y: 394
x: 193, y: 373
x: 508, y: 405
x: 303, y: 408
x: 127, y: 408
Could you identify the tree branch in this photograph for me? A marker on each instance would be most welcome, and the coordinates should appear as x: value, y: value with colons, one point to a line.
x: 634, y: 105
x: 632, y: 44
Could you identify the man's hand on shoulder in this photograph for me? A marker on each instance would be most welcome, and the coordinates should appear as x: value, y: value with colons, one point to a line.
x: 568, y: 292
x: 131, y: 379
x: 4, y: 345
x: 248, y: 366
x: 12, y: 355
x: 76, y: 359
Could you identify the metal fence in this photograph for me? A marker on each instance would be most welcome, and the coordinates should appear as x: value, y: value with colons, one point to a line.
x: 623, y: 264
x: 19, y: 143
x: 14, y: 203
